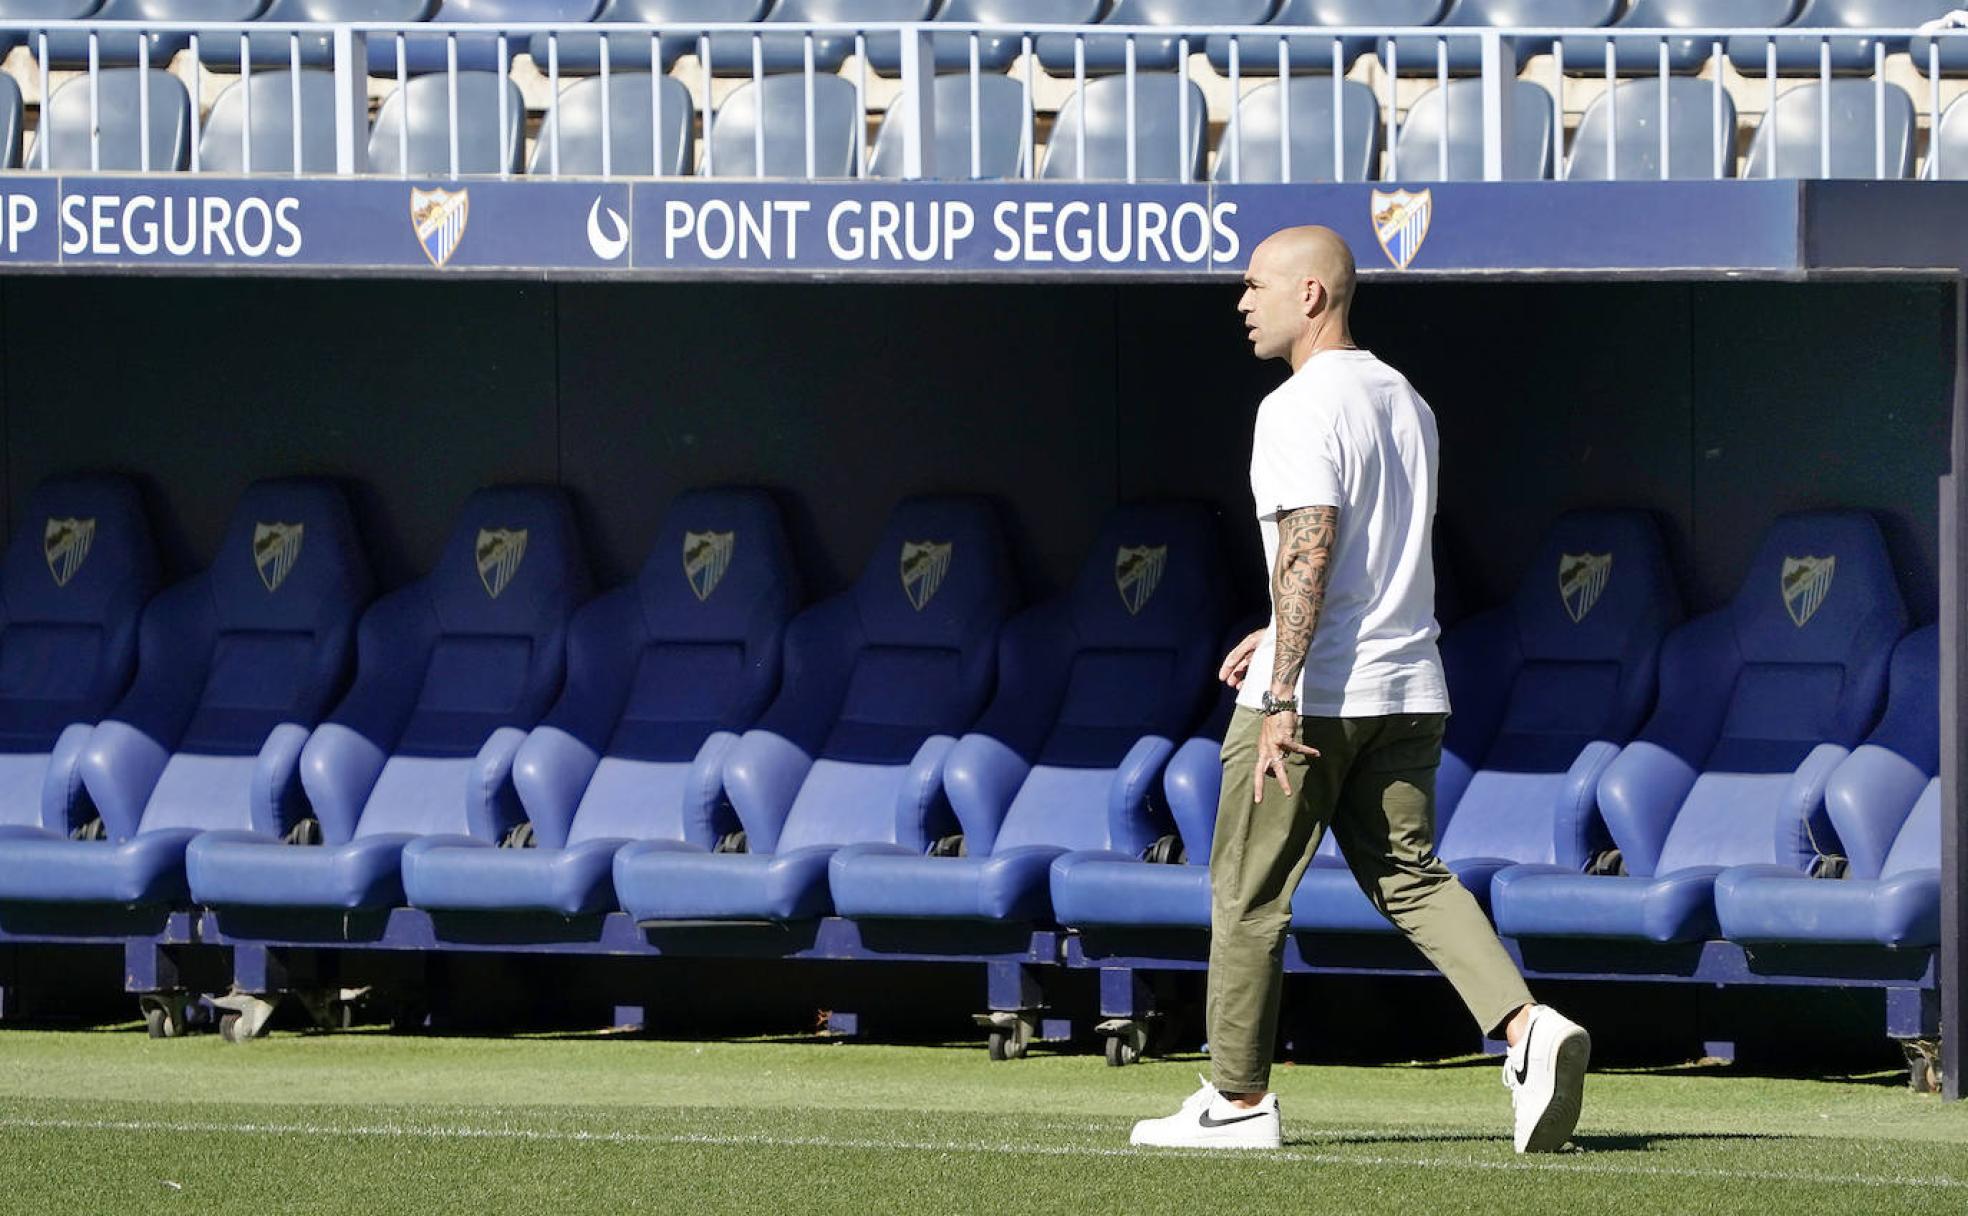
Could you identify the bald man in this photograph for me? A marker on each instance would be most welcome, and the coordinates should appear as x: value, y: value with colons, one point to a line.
x: 1340, y: 723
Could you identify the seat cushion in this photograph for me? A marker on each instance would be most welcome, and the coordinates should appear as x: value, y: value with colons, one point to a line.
x: 1774, y: 904
x: 246, y: 869
x: 1545, y: 901
x: 658, y: 880
x: 887, y: 881
x: 1103, y: 887
x: 41, y: 867
x: 574, y: 881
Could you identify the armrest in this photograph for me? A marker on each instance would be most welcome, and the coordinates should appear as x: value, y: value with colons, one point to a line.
x: 120, y: 765
x: 1639, y: 794
x: 981, y: 776
x: 339, y: 767
x: 551, y: 772
x: 276, y: 787
x: 424, y: 844
x: 919, y: 791
x: 763, y: 774
x: 63, y: 783
x: 491, y: 804
x: 1578, y: 802
x: 1128, y: 825
x: 1193, y: 781
x: 1803, y: 828
x: 703, y: 790
x: 847, y: 855
x: 22, y: 831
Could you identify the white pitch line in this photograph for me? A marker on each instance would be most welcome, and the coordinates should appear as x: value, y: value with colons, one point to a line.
x: 1570, y: 1164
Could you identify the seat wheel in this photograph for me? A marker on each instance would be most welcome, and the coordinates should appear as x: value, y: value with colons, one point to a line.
x: 1121, y: 1052
x: 229, y: 1027
x: 158, y: 1022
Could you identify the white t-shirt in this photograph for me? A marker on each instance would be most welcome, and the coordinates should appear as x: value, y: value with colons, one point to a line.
x: 1349, y: 431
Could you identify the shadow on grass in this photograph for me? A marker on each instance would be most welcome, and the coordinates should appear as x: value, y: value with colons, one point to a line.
x: 1589, y: 1143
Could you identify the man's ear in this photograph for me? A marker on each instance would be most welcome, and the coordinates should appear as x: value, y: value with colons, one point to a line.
x: 1314, y: 296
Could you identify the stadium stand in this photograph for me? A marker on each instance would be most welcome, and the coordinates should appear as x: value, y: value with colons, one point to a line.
x: 224, y: 145
x: 1641, y: 56
x: 778, y: 104
x: 430, y: 52
x: 1163, y: 148
x: 1792, y: 140
x: 70, y: 50
x: 114, y: 115
x: 574, y: 126
x: 1813, y: 49
x: 315, y: 48
x: 767, y: 52
x: 1255, y: 154
x: 1002, y: 136
x: 995, y: 53
x: 1426, y: 152
x: 1426, y: 55
x: 1701, y: 133
x: 580, y: 53
x: 1065, y: 54
x: 424, y: 146
x: 1310, y: 53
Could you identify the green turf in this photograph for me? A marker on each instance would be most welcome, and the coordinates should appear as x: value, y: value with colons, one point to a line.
x: 362, y: 1122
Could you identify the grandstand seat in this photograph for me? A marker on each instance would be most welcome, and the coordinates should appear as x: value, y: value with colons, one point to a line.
x: 732, y: 54
x: 1311, y: 53
x: 451, y: 672
x: 837, y: 129
x: 65, y: 123
x: 1003, y: 135
x: 1804, y: 46
x: 19, y: 13
x: 1787, y: 144
x: 580, y: 53
x: 1526, y: 148
x: 1701, y: 132
x: 73, y: 583
x: 1640, y: 56
x: 1095, y: 689
x: 482, y: 146
x: 11, y: 119
x: 1946, y: 53
x: 1107, y: 53
x: 429, y: 51
x: 1759, y: 702
x: 995, y: 52
x: 576, y: 122
x: 1885, y: 803
x: 1255, y: 155
x: 660, y: 674
x: 69, y: 50
x: 879, y: 682
x: 220, y: 147
x: 1424, y: 54
x: 1165, y: 149
x: 316, y: 47
x: 1947, y: 150
x: 236, y: 666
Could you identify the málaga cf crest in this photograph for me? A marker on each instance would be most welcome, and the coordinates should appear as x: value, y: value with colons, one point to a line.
x: 499, y: 553
x: 276, y: 547
x: 1400, y: 222
x: 1582, y: 579
x: 439, y: 216
x: 1806, y: 582
x: 65, y: 543
x: 706, y: 556
x: 1137, y: 572
x: 924, y: 563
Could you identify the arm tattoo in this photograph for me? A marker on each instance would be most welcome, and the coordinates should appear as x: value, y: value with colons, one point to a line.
x: 1298, y: 588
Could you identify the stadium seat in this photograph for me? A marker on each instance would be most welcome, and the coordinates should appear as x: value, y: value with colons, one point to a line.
x: 66, y: 123
x: 1805, y: 46
x: 1701, y: 132
x: 576, y: 121
x: 580, y: 53
x: 20, y: 13
x: 73, y: 583
x: 879, y: 682
x: 482, y: 146
x: 1003, y: 135
x: 1885, y: 803
x: 316, y: 48
x: 220, y: 147
x: 1095, y: 689
x: 11, y: 119
x: 236, y: 666
x: 1312, y: 54
x: 1640, y: 56
x: 660, y: 674
x: 1526, y: 147
x: 69, y: 50
x: 1759, y: 702
x: 732, y: 54
x: 1423, y: 54
x: 429, y: 51
x: 1254, y: 155
x: 1107, y: 53
x: 1165, y: 149
x: 1944, y: 53
x: 837, y: 129
x: 451, y: 672
x: 995, y: 52
x: 1794, y: 130
x: 1947, y: 151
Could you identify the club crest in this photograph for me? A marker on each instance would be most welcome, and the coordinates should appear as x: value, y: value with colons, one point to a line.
x: 1400, y: 222
x: 924, y: 563
x: 1806, y: 582
x: 276, y: 547
x: 706, y: 556
x: 1582, y: 579
x: 1137, y: 572
x: 438, y: 217
x: 65, y: 543
x: 500, y: 551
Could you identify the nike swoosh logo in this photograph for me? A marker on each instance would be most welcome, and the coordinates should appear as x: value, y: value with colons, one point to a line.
x: 1524, y: 1069
x: 1205, y: 1120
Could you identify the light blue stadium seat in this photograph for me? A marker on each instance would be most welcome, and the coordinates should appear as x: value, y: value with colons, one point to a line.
x: 580, y: 53
x: 1699, y: 125
x: 478, y: 51
x: 1885, y: 803
x: 631, y: 115
x: 837, y: 129
x: 1312, y: 54
x: 995, y: 52
x: 1096, y: 690
x: 880, y: 681
x: 1165, y: 149
x: 482, y: 146
x: 731, y: 54
x: 1421, y: 55
x: 17, y: 12
x: 70, y: 50
x: 11, y: 119
x: 219, y: 144
x: 661, y: 674
x: 65, y: 123
x: 1947, y: 150
x: 451, y: 672
x: 1255, y: 152
x: 237, y: 664
x: 1002, y: 133
x: 1759, y: 703
x: 1803, y: 52
x: 1526, y: 144
x: 1946, y: 52
x: 1789, y: 144
x: 317, y: 48
x: 1640, y: 56
x: 1152, y: 53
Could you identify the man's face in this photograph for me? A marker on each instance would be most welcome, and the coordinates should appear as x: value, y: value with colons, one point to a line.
x: 1273, y: 307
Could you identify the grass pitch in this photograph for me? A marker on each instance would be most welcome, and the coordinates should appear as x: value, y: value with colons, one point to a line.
x: 109, y: 1121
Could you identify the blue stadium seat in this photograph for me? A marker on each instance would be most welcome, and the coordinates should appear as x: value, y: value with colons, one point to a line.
x: 1255, y: 152
x: 451, y: 672
x: 1096, y: 689
x: 581, y: 53
x: 236, y: 666
x: 1640, y: 56
x: 1526, y: 145
x: 220, y: 144
x: 1700, y: 123
x: 1803, y: 53
x: 661, y: 673
x: 837, y: 129
x: 73, y: 583
x: 1152, y: 53
x: 995, y: 52
x: 11, y: 119
x: 65, y: 123
x: 1419, y: 55
x: 1312, y: 54
x: 731, y: 54
x: 1855, y: 130
x: 70, y: 50
x: 631, y: 118
x: 316, y: 48
x: 1885, y: 803
x: 1165, y: 149
x: 482, y: 146
x: 1759, y: 702
x: 1002, y: 135
x: 1947, y: 151
x: 1946, y: 52
x: 879, y: 682
x: 477, y: 52
x: 20, y: 12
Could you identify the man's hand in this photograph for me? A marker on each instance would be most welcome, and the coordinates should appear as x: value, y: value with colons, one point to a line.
x: 1237, y: 664
x: 1277, y: 737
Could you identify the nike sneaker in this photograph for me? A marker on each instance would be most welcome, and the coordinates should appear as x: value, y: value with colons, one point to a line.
x: 1545, y: 1073
x: 1206, y: 1120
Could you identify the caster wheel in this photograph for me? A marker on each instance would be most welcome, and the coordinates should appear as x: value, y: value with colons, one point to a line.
x: 229, y: 1028
x: 996, y: 1045
x: 1120, y: 1052
x: 159, y: 1023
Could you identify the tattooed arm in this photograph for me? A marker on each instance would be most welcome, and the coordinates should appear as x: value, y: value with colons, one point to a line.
x: 1298, y: 595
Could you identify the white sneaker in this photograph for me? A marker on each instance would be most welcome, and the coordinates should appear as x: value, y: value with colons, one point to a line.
x: 1545, y: 1073
x: 1206, y: 1120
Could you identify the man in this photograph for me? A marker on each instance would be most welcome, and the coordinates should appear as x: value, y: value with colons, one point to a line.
x: 1340, y: 725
